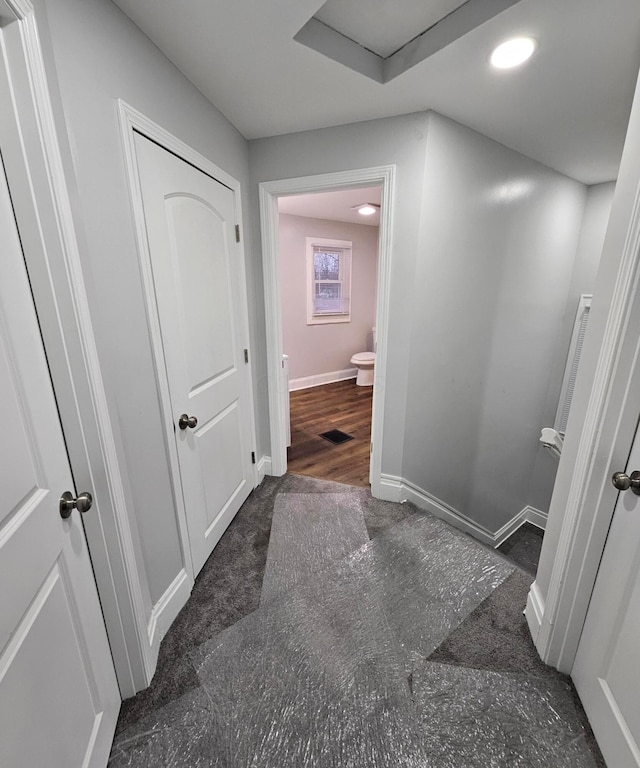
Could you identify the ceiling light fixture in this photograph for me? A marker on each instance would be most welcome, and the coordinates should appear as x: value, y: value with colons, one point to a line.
x: 367, y: 209
x: 513, y: 53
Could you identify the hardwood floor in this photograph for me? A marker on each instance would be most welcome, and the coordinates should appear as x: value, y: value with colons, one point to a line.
x: 341, y: 405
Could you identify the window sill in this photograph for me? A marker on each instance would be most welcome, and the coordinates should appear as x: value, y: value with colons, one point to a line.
x: 328, y: 319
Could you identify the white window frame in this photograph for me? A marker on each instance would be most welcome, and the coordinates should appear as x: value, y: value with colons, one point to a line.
x: 345, y: 248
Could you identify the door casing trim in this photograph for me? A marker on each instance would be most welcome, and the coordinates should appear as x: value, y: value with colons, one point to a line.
x: 269, y: 192
x: 606, y: 429
x: 133, y: 121
x: 53, y: 256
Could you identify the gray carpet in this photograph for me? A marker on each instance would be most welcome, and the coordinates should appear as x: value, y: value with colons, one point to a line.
x: 495, y: 635
x: 328, y: 647
x: 229, y: 585
x: 476, y: 719
x: 523, y: 547
x: 333, y: 521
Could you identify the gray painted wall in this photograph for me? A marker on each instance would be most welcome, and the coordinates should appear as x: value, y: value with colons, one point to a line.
x: 477, y: 273
x: 315, y: 349
x: 497, y: 245
x: 583, y: 279
x: 100, y: 55
x: 484, y: 248
x: 594, y: 229
x: 397, y: 140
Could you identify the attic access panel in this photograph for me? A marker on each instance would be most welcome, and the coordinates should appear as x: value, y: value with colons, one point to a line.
x: 384, y: 26
x: 384, y: 38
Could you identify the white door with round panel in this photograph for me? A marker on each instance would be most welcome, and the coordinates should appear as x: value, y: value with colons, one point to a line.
x: 59, y: 698
x: 198, y: 287
x: 606, y: 671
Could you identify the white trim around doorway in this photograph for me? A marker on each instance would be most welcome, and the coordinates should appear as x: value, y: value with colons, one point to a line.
x: 606, y: 428
x: 42, y: 204
x: 270, y: 191
x: 132, y: 121
x: 607, y: 432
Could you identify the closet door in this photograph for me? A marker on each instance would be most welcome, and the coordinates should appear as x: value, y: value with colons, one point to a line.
x: 59, y: 699
x: 195, y: 259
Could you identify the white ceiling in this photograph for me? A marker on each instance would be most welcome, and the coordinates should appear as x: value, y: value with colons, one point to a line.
x: 334, y: 206
x: 567, y: 108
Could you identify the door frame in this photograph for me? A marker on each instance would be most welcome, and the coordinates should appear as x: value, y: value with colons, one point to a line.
x: 269, y: 192
x: 599, y: 437
x: 36, y: 170
x: 133, y: 121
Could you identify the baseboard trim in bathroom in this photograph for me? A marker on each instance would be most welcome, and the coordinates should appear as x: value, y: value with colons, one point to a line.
x: 306, y: 382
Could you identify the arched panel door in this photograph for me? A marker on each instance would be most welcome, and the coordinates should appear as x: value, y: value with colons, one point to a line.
x: 198, y: 285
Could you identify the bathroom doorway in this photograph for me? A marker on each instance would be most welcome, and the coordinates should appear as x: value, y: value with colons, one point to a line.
x: 328, y: 267
x: 271, y: 193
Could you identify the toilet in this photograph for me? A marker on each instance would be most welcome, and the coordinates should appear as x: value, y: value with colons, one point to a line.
x: 364, y: 362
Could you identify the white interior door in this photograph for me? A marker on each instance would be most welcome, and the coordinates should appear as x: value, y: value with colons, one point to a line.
x: 59, y: 699
x: 190, y: 222
x: 606, y: 671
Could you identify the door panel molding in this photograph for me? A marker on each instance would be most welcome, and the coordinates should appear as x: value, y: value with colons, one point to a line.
x: 131, y: 122
x: 42, y: 205
x: 325, y: 182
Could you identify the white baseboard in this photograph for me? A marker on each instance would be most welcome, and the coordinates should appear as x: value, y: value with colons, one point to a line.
x: 263, y: 468
x: 536, y: 517
x: 534, y: 611
x: 527, y: 515
x: 322, y: 378
x: 168, y: 607
x: 442, y: 510
x: 509, y: 528
x: 390, y: 488
x: 394, y: 488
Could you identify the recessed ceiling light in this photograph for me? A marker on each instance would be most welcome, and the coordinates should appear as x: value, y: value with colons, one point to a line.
x: 367, y: 209
x: 513, y: 52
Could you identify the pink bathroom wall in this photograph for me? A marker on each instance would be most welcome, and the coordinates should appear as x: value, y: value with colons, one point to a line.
x: 321, y: 349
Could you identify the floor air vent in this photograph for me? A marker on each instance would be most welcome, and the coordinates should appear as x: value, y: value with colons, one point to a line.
x: 336, y: 437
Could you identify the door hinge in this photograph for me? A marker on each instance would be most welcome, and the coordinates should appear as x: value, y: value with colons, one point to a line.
x: 246, y: 355
x: 237, y: 233
x: 253, y: 457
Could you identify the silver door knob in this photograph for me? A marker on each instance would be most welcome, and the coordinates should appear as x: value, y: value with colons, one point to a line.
x: 187, y: 421
x: 67, y: 503
x: 623, y: 482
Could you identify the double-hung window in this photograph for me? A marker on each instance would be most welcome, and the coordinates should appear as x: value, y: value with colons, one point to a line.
x: 328, y: 281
